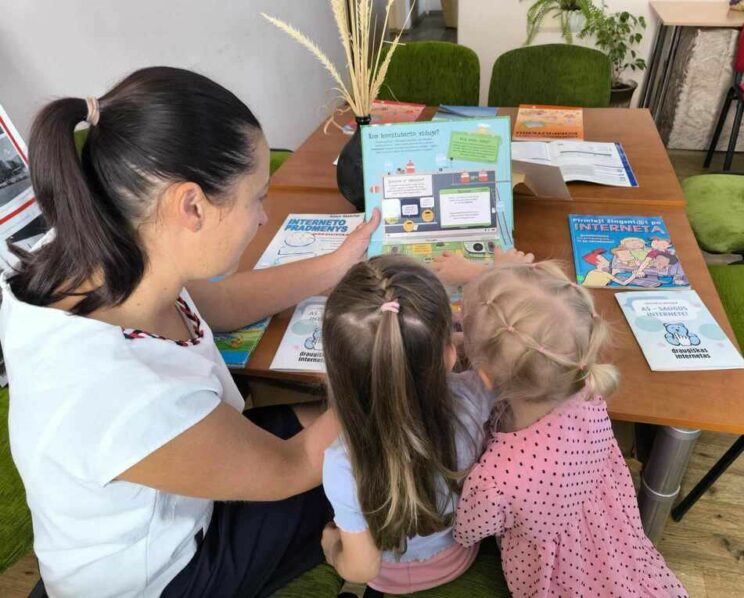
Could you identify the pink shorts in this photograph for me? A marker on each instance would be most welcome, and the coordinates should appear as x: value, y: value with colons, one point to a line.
x: 415, y: 576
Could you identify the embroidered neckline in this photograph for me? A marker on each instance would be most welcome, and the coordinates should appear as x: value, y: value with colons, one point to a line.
x: 194, y: 321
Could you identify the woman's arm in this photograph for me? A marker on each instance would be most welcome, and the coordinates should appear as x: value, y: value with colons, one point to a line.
x: 227, y: 457
x: 248, y: 296
x: 354, y: 556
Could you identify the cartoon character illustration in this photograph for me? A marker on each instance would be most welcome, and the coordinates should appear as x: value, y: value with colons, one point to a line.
x: 624, y: 262
x: 679, y: 336
x: 601, y: 275
x: 667, y: 265
x: 315, y: 341
x: 661, y: 245
x: 637, y: 248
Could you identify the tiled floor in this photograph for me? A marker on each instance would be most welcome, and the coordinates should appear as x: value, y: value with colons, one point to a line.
x: 430, y: 28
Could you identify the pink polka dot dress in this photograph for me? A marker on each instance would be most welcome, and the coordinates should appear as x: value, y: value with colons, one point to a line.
x: 560, y: 497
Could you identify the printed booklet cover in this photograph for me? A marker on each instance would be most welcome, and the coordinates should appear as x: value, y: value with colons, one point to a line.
x: 236, y: 347
x: 301, y: 349
x: 677, y: 332
x: 434, y: 182
x: 634, y: 252
x: 304, y: 236
x: 388, y: 111
x: 448, y: 112
x: 549, y: 122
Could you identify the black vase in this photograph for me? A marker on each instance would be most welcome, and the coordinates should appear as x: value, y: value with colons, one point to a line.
x: 349, y: 174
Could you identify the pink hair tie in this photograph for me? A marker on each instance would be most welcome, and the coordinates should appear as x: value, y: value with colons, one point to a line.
x: 582, y: 366
x: 541, y: 349
x: 392, y: 306
x: 94, y: 111
x: 595, y: 315
x: 510, y: 329
x: 574, y: 285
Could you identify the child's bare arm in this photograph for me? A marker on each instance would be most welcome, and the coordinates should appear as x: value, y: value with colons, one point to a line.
x: 354, y: 556
x: 454, y: 269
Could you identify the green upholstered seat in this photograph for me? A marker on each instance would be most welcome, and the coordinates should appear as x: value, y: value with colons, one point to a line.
x: 715, y: 208
x: 553, y: 74
x: 729, y: 281
x: 484, y: 579
x: 433, y: 73
x: 278, y: 157
x: 321, y: 581
x: 16, y: 535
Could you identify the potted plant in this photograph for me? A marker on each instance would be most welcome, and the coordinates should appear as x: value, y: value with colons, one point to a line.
x: 618, y: 35
x: 572, y: 14
x: 366, y: 66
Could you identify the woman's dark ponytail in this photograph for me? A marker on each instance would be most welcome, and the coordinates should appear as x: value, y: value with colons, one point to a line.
x: 157, y: 126
x: 93, y: 241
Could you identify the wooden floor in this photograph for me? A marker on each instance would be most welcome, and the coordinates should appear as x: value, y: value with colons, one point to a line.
x: 705, y: 550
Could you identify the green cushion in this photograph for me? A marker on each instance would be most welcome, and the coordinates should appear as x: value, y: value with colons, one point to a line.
x: 715, y: 208
x: 433, y: 73
x: 277, y: 159
x: 484, y: 579
x: 729, y: 281
x: 554, y: 74
x: 320, y: 581
x: 16, y: 535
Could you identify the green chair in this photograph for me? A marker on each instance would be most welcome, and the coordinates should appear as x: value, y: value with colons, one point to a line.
x: 715, y: 208
x: 320, y: 581
x: 552, y: 74
x: 16, y: 534
x: 278, y: 156
x: 484, y: 579
x: 433, y: 73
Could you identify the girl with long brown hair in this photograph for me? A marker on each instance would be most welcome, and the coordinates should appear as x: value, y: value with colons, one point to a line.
x: 409, y: 427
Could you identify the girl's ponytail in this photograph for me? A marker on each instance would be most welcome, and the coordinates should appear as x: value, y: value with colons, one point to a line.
x: 93, y: 240
x: 385, y: 330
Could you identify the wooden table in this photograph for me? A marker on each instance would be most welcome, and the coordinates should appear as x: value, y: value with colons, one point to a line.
x: 681, y: 403
x: 311, y: 166
x: 672, y: 16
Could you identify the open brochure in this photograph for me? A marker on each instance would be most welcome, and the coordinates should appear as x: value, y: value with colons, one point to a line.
x: 588, y: 161
x: 548, y: 122
x: 437, y: 182
x: 301, y: 349
x: 303, y: 236
x: 677, y: 332
x: 634, y: 252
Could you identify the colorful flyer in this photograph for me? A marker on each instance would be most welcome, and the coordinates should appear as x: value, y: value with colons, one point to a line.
x: 549, y: 122
x: 437, y: 182
x: 301, y: 349
x: 236, y: 347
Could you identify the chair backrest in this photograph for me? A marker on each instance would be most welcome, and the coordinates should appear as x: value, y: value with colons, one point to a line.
x: 15, y: 519
x: 552, y: 74
x: 739, y: 57
x: 433, y: 73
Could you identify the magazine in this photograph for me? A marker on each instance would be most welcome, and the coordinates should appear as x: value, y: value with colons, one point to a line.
x: 388, y: 111
x: 303, y: 236
x: 549, y: 122
x: 434, y: 182
x: 301, y: 349
x: 21, y: 223
x: 677, y: 332
x: 446, y: 112
x: 588, y: 161
x: 236, y: 347
x: 634, y: 252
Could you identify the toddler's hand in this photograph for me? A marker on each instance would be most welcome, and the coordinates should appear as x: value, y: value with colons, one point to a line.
x: 454, y: 269
x: 513, y: 255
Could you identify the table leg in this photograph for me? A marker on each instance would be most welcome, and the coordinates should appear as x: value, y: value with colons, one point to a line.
x: 661, y: 478
x: 658, y: 103
x: 653, y: 66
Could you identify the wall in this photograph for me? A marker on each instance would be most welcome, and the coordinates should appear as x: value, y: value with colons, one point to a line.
x: 50, y: 49
x: 492, y: 27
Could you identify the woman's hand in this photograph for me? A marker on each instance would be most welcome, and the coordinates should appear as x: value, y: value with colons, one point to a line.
x: 354, y: 247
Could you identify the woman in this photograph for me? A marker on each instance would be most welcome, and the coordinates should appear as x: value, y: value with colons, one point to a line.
x: 125, y: 424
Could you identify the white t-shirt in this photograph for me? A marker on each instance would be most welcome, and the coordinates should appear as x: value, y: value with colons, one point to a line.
x: 87, y: 401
